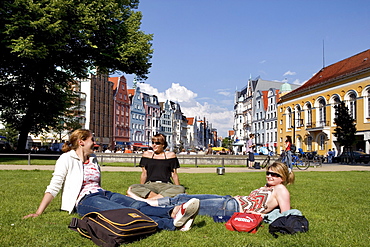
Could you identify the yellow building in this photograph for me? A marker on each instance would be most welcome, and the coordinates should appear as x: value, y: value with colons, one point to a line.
x: 307, y: 113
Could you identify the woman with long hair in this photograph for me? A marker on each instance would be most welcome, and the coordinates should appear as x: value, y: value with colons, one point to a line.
x: 78, y: 172
x: 272, y: 195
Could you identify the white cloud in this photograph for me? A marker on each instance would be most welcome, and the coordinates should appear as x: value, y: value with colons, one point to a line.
x: 220, y: 117
x: 297, y: 81
x: 289, y: 73
x: 263, y: 61
x: 223, y: 92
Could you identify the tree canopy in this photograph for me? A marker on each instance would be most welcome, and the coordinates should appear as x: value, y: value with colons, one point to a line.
x: 345, y: 126
x: 46, y: 44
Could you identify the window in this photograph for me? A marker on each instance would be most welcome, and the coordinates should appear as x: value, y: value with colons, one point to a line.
x: 368, y: 103
x: 322, y: 112
x: 352, y: 105
x: 322, y: 142
x: 309, y: 143
x: 290, y: 123
x: 309, y: 115
x: 298, y: 117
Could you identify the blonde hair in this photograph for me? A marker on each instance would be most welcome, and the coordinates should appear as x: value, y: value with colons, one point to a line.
x: 282, y: 169
x: 72, y: 144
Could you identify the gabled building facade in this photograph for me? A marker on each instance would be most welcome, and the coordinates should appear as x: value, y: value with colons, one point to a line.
x: 246, y: 108
x: 121, y: 112
x: 152, y: 116
x: 179, y: 126
x: 137, y: 118
x: 99, y: 108
x: 166, y: 122
x: 307, y: 113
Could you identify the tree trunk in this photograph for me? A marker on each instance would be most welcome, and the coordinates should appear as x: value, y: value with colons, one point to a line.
x: 27, y: 123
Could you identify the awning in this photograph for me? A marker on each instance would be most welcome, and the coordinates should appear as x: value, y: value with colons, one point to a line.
x: 141, y: 146
x: 219, y: 148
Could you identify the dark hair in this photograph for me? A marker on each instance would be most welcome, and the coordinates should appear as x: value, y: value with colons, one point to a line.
x: 72, y: 144
x: 161, y: 138
x: 289, y: 139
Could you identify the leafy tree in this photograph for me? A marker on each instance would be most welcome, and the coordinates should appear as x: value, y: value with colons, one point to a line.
x: 345, y: 127
x: 10, y: 134
x: 227, y: 143
x: 45, y: 44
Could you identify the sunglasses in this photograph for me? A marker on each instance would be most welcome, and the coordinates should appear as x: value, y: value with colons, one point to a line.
x: 157, y: 143
x: 273, y: 174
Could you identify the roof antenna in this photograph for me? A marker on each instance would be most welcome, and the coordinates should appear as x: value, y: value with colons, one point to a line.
x: 323, y: 53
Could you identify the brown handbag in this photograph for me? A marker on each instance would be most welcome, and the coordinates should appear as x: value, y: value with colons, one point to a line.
x: 111, y: 228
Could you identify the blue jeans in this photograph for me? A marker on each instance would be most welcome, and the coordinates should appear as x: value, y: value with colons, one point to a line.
x: 288, y: 159
x: 106, y: 200
x: 211, y: 205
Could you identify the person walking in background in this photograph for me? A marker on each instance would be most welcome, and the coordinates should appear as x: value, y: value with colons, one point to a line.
x: 159, y: 176
x: 250, y: 151
x: 209, y: 150
x: 288, y: 153
x: 330, y: 156
x: 78, y: 172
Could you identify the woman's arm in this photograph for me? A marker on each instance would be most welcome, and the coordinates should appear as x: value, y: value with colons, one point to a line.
x: 283, y: 198
x: 175, y: 177
x: 46, y: 200
x: 143, y: 175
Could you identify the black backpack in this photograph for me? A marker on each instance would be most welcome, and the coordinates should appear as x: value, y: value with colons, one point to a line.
x: 288, y: 225
x: 111, y: 228
x: 293, y: 148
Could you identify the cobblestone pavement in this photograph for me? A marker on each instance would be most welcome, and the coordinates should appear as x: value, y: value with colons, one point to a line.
x: 324, y: 167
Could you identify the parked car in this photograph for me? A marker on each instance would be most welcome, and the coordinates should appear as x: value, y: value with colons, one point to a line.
x: 358, y: 155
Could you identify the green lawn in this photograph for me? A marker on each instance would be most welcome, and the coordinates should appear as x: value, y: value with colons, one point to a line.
x: 335, y: 203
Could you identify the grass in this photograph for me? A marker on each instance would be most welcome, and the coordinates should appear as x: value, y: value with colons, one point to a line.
x: 335, y: 203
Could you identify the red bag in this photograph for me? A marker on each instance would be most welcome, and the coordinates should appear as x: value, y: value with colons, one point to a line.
x: 243, y: 222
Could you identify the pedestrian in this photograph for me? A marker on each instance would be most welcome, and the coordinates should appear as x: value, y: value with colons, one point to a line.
x: 250, y: 151
x: 288, y: 153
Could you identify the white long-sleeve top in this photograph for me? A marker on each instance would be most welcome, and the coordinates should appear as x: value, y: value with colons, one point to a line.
x: 68, y: 173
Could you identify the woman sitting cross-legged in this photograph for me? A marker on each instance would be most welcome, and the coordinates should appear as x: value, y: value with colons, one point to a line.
x: 159, y: 176
x: 260, y: 201
x: 78, y: 172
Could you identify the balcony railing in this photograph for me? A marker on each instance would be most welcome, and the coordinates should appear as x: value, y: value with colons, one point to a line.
x: 317, y: 124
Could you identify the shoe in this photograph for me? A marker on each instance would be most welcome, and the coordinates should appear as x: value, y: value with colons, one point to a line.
x: 186, y: 211
x: 187, y: 226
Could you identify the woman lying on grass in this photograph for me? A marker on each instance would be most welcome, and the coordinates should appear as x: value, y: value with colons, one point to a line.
x: 260, y: 201
x: 78, y: 171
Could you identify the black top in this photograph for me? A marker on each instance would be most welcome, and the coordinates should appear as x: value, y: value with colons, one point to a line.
x: 159, y: 169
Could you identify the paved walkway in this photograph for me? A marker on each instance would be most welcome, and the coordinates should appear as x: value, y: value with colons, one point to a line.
x: 325, y: 167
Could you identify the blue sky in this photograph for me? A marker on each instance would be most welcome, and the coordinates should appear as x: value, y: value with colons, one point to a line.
x: 204, y: 50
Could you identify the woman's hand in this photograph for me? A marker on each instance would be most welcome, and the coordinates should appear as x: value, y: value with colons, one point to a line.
x: 252, y: 212
x: 31, y: 215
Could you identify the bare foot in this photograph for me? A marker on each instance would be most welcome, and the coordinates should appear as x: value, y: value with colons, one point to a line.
x: 175, y: 210
x: 138, y: 198
x: 133, y: 195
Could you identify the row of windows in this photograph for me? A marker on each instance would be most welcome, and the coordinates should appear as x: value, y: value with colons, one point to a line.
x: 321, y: 105
x: 138, y: 116
x: 137, y: 126
x: 270, y: 137
x: 166, y: 122
x: 166, y: 129
x: 269, y: 125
